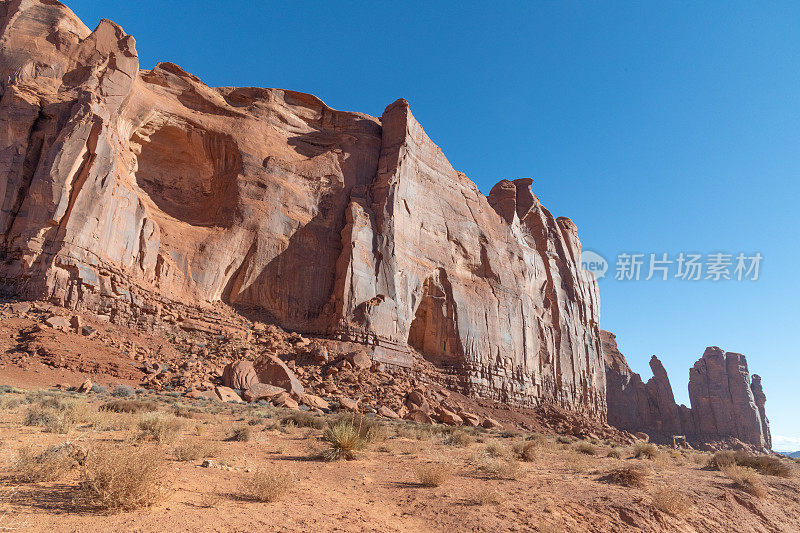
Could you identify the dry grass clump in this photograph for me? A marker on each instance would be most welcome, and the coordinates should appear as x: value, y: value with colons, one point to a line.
x: 645, y: 449
x: 764, y: 464
x: 160, y: 427
x: 586, y: 448
x: 745, y: 479
x: 266, y: 483
x: 500, y: 468
x: 303, y: 419
x: 488, y: 496
x: 54, y: 414
x: 240, y: 434
x: 525, y: 450
x: 193, y: 450
x: 627, y: 476
x: 344, y: 440
x: 671, y: 501
x: 129, y: 406
x: 31, y: 466
x: 614, y: 453
x: 433, y: 474
x: 494, y: 449
x: 122, y: 478
x: 458, y: 438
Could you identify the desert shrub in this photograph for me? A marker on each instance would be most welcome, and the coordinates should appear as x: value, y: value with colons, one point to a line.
x: 160, y: 427
x: 645, y: 449
x: 122, y: 478
x: 123, y: 391
x: 586, y: 448
x: 303, y: 419
x: 266, y: 483
x: 525, y: 450
x: 671, y: 501
x: 745, y: 479
x: 494, y: 449
x: 500, y: 468
x: 627, y: 476
x: 30, y: 465
x: 98, y: 389
x: 458, y: 438
x: 722, y: 459
x: 193, y: 450
x: 764, y: 464
x: 344, y: 440
x: 9, y: 402
x: 129, y: 406
x: 433, y: 474
x: 614, y: 453
x: 56, y: 415
x: 488, y: 496
x: 240, y: 434
x: 565, y: 439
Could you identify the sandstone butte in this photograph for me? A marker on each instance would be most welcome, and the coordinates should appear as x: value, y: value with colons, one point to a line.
x: 139, y: 194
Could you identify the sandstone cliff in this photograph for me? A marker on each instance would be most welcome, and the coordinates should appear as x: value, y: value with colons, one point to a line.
x: 725, y: 403
x: 132, y: 193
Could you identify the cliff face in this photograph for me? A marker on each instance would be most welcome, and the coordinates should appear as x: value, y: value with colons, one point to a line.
x: 126, y: 192
x: 725, y: 403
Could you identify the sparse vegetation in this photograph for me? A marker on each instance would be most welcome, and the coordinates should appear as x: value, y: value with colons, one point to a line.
x: 745, y: 479
x: 192, y: 450
x: 525, y: 450
x: 303, y: 419
x: 494, y: 449
x: 627, y: 476
x: 122, y: 478
x: 488, y: 496
x: 500, y: 468
x: 433, y: 474
x: 458, y: 438
x: 344, y: 440
x: 266, y: 483
x: 129, y: 406
x: 122, y: 391
x: 645, y: 449
x: 586, y: 448
x: 160, y: 427
x: 31, y: 465
x: 671, y: 501
x: 240, y: 434
x: 764, y: 464
x: 614, y: 453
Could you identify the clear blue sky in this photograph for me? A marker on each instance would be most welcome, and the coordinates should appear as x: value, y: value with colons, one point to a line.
x: 657, y: 127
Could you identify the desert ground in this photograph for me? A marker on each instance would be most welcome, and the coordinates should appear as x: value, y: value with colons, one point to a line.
x: 136, y: 461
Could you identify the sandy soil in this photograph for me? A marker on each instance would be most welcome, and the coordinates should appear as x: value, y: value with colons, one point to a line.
x: 561, y: 490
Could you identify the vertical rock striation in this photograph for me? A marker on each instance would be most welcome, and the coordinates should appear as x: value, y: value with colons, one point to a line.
x: 126, y: 192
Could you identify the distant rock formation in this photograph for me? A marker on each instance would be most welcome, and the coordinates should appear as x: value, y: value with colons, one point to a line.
x: 147, y: 196
x: 725, y: 403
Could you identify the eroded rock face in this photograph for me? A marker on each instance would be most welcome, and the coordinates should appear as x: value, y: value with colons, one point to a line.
x: 126, y: 191
x: 725, y: 403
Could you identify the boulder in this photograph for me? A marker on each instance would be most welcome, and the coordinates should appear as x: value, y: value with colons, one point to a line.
x: 261, y: 391
x: 491, y: 423
x: 271, y: 370
x: 283, y: 399
x: 227, y: 394
x: 387, y: 412
x: 470, y: 419
x: 418, y: 416
x: 448, y: 417
x: 314, y: 402
x: 58, y: 322
x: 85, y: 387
x: 239, y: 375
x: 360, y: 360
x: 348, y: 404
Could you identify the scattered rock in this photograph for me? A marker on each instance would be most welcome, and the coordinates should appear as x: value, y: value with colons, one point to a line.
x: 419, y: 416
x: 360, y: 360
x: 387, y: 412
x: 58, y: 322
x: 348, y: 403
x: 239, y: 375
x: 262, y: 391
x: 491, y: 423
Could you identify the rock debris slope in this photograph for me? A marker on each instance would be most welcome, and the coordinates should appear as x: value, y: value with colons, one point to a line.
x: 125, y: 192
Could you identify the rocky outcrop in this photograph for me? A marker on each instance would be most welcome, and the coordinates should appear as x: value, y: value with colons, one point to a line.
x: 725, y: 403
x: 149, y: 197
x: 723, y: 399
